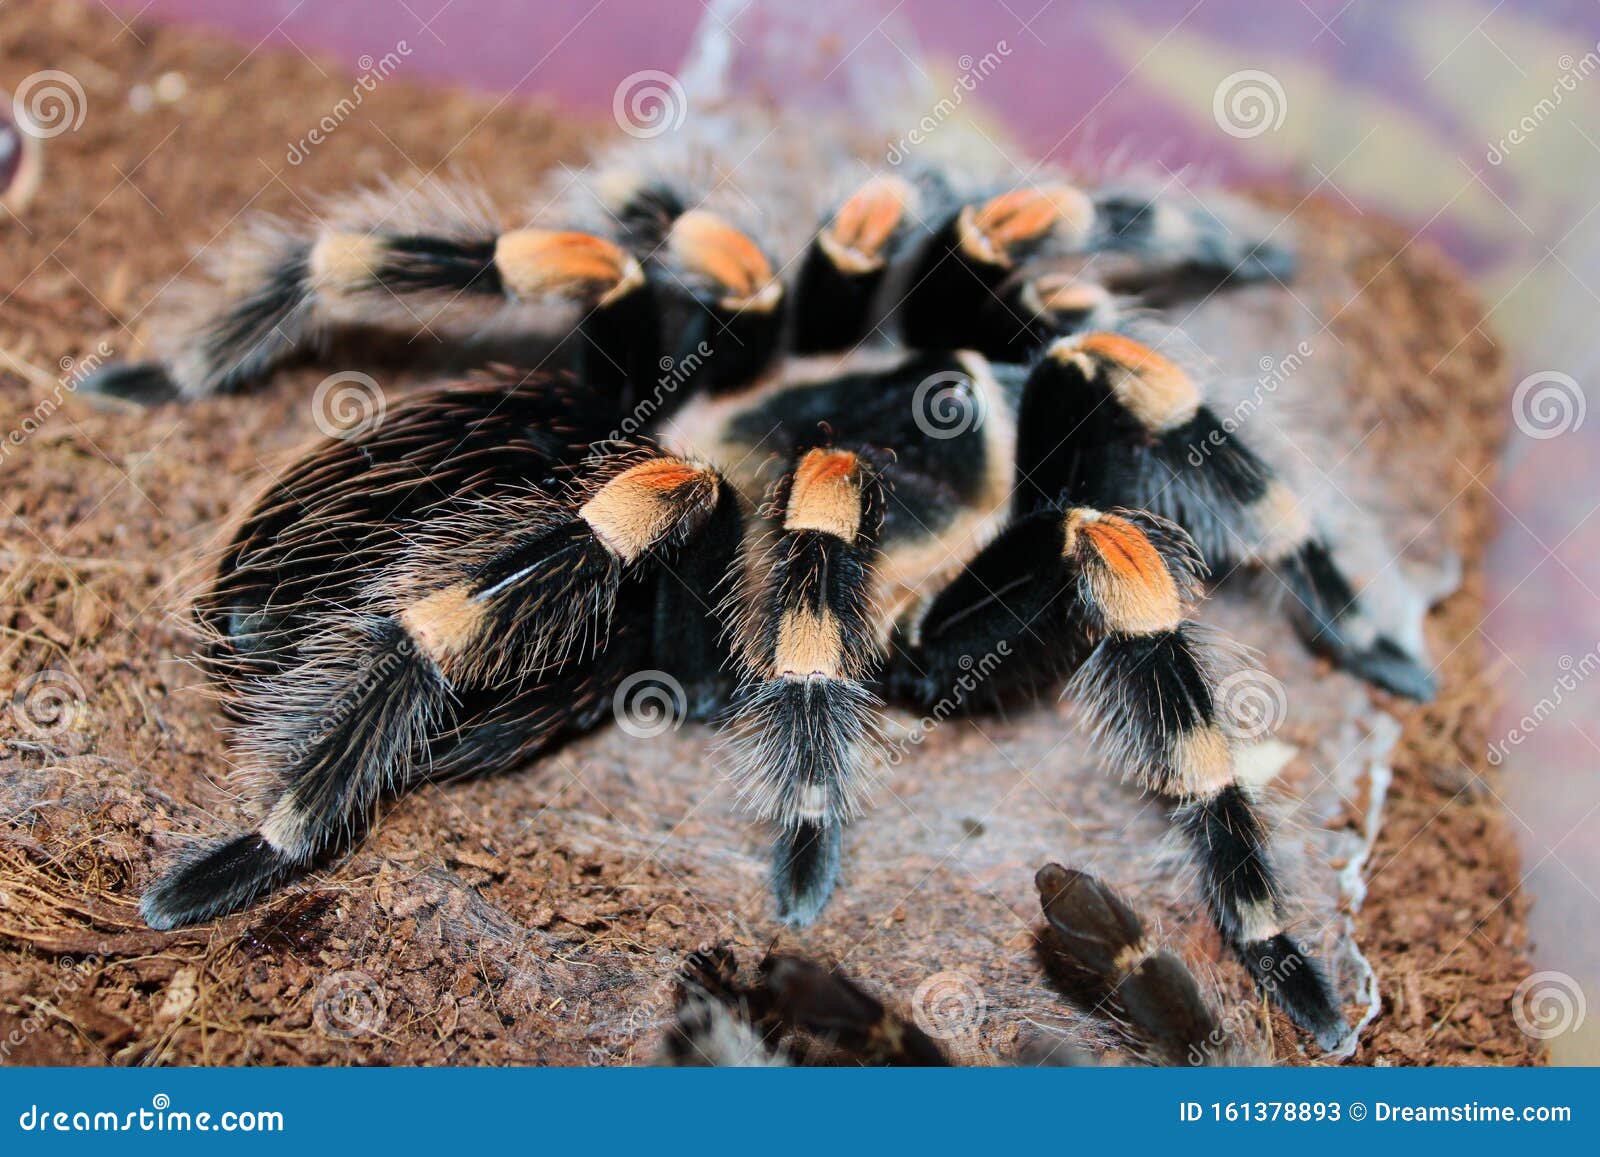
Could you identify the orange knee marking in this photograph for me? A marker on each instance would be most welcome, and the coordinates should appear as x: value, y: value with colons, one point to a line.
x: 826, y: 495
x: 855, y: 238
x: 1129, y: 580
x: 709, y: 246
x: 1155, y: 389
x: 539, y: 262
x: 988, y: 231
x: 640, y: 506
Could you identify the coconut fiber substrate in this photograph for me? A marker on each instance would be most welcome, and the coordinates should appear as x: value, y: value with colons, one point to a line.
x: 540, y: 917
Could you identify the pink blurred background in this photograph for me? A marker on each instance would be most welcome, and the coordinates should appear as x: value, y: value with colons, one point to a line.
x: 1476, y: 122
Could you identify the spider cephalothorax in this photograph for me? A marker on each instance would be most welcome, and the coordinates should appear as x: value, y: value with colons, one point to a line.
x: 942, y: 435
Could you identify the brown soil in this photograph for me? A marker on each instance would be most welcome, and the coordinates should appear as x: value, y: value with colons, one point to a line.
x: 472, y: 939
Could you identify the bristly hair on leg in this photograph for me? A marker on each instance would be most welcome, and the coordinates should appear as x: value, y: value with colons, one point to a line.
x: 804, y: 729
x: 323, y: 742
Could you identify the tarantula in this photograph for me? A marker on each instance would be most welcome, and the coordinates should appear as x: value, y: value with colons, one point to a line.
x: 465, y: 584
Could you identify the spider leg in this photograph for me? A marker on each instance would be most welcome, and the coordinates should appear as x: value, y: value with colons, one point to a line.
x: 1151, y: 986
x: 1108, y: 420
x: 971, y: 274
x: 284, y: 288
x: 806, y: 720
x: 699, y: 299
x: 490, y: 595
x: 718, y: 296
x: 1106, y: 593
x: 844, y: 267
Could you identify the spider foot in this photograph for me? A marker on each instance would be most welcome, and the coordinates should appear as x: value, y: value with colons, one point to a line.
x: 805, y: 866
